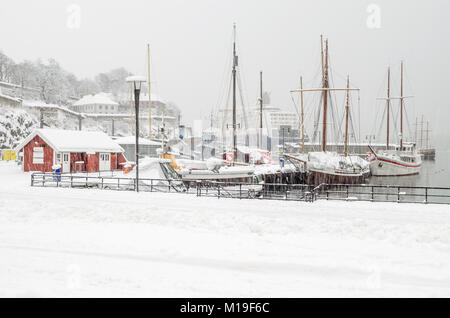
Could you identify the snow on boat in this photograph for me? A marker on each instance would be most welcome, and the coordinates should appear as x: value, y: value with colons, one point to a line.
x: 153, y: 172
x: 235, y: 173
x: 156, y: 172
x: 331, y: 167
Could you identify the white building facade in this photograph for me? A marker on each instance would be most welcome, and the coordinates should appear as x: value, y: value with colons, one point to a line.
x: 101, y: 103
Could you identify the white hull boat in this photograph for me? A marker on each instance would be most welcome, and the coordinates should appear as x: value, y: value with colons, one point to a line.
x: 395, y: 163
x: 404, y: 160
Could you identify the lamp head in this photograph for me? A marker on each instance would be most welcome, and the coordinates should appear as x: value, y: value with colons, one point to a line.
x: 137, y: 80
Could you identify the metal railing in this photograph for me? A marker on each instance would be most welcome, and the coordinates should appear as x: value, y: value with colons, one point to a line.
x: 106, y: 182
x: 266, y: 191
x: 241, y: 190
x: 274, y: 191
x: 383, y: 193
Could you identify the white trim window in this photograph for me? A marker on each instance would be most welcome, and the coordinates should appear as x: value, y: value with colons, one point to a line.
x: 38, y: 155
x: 58, y: 158
x: 105, y: 162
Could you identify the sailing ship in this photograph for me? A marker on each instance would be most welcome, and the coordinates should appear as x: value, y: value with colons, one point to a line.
x: 237, y: 162
x: 404, y: 159
x: 326, y: 166
x: 422, y: 137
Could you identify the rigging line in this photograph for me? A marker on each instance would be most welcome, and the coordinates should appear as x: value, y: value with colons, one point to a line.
x: 225, y: 112
x: 227, y: 102
x: 380, y: 110
x: 408, y: 125
x: 334, y: 108
x: 241, y: 78
x: 381, y: 122
x: 295, y: 107
x: 352, y: 126
x: 395, y: 117
x: 333, y: 134
x: 298, y: 114
x: 336, y: 129
x: 380, y: 92
x: 242, y: 102
x: 266, y: 123
x: 341, y: 123
x: 227, y: 66
x: 309, y: 111
x: 316, y: 122
x: 409, y: 84
x: 359, y: 117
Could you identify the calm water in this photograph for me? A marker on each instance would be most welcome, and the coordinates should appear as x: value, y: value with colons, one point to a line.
x: 433, y: 174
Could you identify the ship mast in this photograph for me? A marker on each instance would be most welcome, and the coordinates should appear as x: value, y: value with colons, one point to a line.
x: 325, y: 89
x: 347, y: 116
x: 149, y: 95
x: 260, y: 110
x: 235, y: 62
x: 401, y: 106
x: 388, y: 104
x: 388, y: 101
x: 325, y: 99
x: 321, y: 57
x: 415, y: 133
x: 302, y: 114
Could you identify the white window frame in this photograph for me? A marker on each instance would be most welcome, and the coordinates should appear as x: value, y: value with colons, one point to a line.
x: 38, y: 155
x: 104, y: 157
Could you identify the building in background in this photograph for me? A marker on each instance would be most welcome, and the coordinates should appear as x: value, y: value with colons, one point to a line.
x: 147, y: 148
x: 101, y: 103
x: 279, y: 126
x: 164, y: 114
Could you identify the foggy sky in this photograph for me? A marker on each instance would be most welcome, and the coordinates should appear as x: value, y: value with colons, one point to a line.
x: 190, y: 43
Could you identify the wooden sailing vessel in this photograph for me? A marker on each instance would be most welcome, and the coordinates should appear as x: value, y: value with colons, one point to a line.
x: 325, y: 166
x: 402, y: 161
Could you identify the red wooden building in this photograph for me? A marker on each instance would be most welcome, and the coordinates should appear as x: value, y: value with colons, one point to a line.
x: 73, y: 150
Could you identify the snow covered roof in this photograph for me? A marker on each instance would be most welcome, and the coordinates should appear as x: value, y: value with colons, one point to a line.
x: 97, y: 99
x: 74, y: 141
x: 130, y: 140
x: 136, y: 78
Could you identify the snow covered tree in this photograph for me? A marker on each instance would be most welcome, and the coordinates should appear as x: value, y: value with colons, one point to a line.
x: 6, y: 68
x: 113, y: 81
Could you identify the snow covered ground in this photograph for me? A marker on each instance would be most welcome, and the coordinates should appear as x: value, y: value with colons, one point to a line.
x: 78, y: 242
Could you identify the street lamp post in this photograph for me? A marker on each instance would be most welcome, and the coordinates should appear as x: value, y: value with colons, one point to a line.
x: 137, y: 82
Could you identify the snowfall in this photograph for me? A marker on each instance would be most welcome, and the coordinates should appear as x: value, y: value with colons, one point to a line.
x: 93, y: 243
